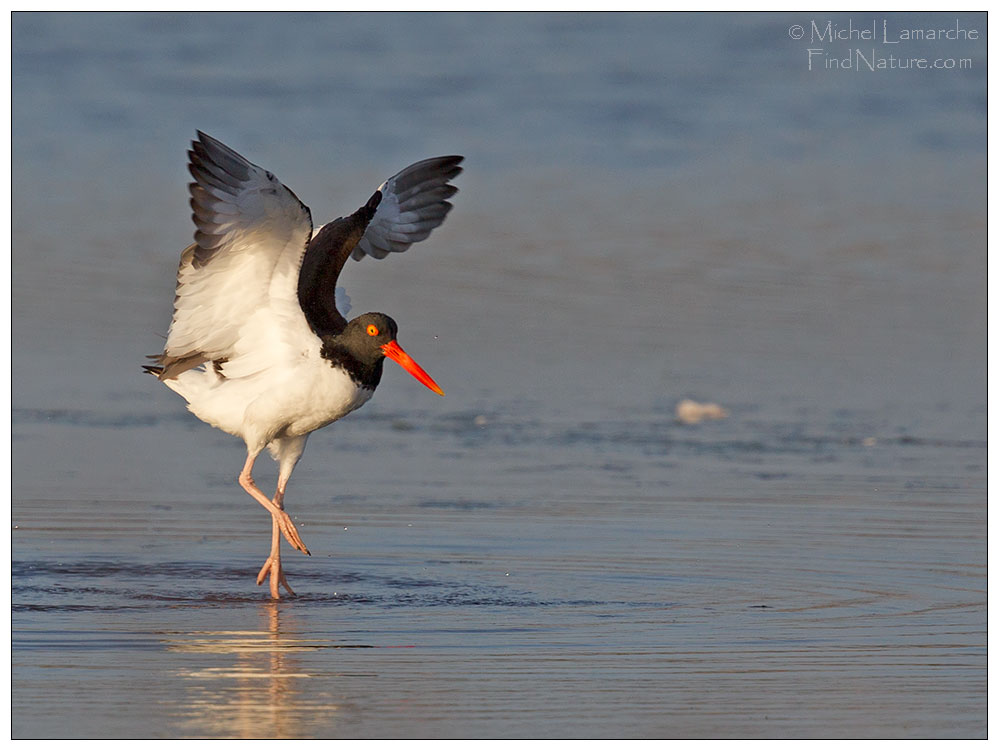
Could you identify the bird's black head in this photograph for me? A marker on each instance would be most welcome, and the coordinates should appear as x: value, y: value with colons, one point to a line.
x: 363, y: 345
x: 365, y: 336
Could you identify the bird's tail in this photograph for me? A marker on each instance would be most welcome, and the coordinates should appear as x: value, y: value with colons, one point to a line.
x: 168, y: 367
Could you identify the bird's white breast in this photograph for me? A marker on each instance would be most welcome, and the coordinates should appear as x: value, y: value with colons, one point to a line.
x: 325, y: 394
x: 292, y: 400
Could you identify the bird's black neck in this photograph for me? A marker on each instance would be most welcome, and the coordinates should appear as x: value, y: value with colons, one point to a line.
x: 364, y: 374
x: 324, y: 258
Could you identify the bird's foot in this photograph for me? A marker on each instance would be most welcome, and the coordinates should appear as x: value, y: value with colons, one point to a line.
x: 272, y: 566
x: 287, y: 527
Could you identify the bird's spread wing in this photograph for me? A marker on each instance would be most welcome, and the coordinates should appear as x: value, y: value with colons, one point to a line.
x: 414, y: 202
x: 237, y: 285
x: 404, y: 210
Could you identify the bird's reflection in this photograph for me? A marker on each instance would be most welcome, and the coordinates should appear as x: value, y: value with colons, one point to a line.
x: 252, y: 684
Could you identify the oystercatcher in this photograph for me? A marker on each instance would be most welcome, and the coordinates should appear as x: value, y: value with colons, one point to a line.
x: 259, y: 345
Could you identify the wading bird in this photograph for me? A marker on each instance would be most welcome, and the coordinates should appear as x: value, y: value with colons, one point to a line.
x: 259, y: 345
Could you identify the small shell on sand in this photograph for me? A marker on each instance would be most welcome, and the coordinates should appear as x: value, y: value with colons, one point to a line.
x: 690, y: 412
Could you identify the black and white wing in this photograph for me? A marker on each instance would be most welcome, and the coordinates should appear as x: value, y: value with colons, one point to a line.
x: 414, y: 202
x: 237, y: 285
x: 405, y: 209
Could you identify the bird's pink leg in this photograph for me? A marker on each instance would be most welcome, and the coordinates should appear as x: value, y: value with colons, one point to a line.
x: 272, y: 565
x: 280, y: 517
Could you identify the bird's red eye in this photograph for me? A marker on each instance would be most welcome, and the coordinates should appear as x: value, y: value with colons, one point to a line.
x: 372, y: 330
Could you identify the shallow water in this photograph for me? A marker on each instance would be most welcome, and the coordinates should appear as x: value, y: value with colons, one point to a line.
x: 654, y: 208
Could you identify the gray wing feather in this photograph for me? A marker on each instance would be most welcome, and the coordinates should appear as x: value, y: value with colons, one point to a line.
x: 414, y: 203
x: 221, y: 177
x: 251, y: 234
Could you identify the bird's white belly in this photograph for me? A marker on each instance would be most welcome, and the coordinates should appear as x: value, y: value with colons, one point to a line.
x: 264, y: 407
x: 317, y: 401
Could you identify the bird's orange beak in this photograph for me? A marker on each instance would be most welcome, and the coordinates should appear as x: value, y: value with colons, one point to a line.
x: 395, y: 352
